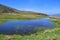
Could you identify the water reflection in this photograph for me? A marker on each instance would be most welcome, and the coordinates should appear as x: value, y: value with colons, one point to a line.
x: 24, y: 26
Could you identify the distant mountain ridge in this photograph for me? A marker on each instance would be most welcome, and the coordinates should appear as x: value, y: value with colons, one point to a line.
x: 56, y: 15
x: 6, y: 9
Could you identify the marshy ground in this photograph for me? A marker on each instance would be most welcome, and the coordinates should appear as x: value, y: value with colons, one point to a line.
x: 48, y: 34
x: 17, y: 16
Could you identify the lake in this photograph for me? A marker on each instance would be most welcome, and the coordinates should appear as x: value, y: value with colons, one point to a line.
x: 24, y: 26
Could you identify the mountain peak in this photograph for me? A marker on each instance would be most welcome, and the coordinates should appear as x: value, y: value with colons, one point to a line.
x: 1, y: 4
x: 6, y: 9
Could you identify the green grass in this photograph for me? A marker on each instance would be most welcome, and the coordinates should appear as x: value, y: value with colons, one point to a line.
x: 15, y: 16
x: 48, y: 34
x: 53, y: 35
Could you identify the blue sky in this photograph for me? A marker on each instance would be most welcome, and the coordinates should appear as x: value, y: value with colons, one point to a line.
x: 44, y: 6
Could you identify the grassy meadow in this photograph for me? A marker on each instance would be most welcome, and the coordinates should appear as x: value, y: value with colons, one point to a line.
x: 48, y: 34
x: 19, y: 16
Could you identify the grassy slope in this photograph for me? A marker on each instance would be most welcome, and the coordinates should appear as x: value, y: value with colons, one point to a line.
x: 48, y: 34
x: 15, y: 16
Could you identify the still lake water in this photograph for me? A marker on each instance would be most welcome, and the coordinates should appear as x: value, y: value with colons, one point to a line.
x: 24, y: 26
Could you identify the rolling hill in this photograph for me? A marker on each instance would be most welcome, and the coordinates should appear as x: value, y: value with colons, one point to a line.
x: 8, y: 13
x: 7, y: 9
